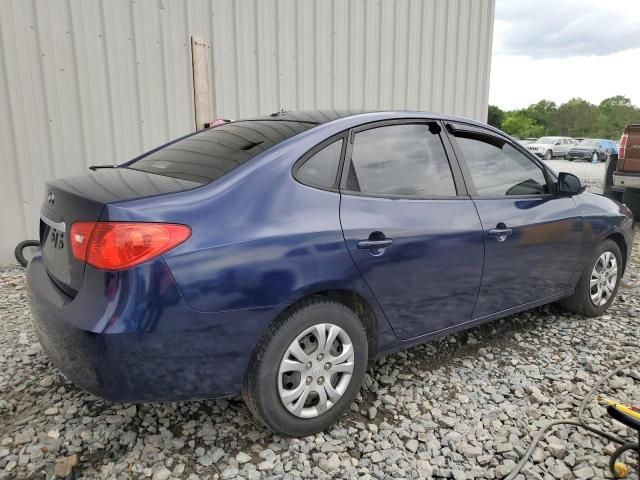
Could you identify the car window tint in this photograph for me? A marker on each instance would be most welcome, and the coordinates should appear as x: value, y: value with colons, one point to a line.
x: 498, y: 169
x: 321, y: 169
x: 212, y: 153
x: 405, y: 160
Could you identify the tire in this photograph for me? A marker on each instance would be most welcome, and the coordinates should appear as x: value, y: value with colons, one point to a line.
x: 581, y: 301
x: 19, y: 250
x: 548, y: 155
x: 595, y: 158
x: 609, y: 190
x: 264, y: 380
x: 631, y: 198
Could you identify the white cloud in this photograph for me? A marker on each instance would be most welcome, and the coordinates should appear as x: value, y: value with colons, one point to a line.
x: 563, y: 49
x: 518, y: 81
x: 566, y: 28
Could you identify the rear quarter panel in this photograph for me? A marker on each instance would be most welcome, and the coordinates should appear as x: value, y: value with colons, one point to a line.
x: 260, y: 239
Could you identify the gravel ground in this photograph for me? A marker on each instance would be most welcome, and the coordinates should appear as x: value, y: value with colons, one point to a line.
x: 463, y: 407
x: 592, y: 173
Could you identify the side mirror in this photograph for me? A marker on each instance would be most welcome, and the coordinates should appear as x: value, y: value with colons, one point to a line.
x: 568, y: 184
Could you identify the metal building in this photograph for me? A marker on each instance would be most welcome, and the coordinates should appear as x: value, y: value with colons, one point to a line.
x: 87, y: 82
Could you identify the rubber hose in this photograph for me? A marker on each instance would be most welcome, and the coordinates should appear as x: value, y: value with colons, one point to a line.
x: 577, y: 422
x: 18, y: 252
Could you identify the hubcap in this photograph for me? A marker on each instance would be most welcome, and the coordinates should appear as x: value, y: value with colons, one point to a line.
x: 603, y: 279
x: 315, y: 370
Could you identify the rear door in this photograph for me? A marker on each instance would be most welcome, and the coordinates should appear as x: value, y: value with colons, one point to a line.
x: 532, y: 237
x: 410, y: 227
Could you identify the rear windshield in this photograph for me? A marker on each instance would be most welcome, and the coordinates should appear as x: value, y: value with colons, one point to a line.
x: 209, y: 155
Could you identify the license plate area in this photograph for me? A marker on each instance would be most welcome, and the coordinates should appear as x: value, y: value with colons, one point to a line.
x: 55, y: 249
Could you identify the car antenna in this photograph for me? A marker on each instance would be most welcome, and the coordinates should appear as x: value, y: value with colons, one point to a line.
x: 93, y: 168
x: 281, y: 113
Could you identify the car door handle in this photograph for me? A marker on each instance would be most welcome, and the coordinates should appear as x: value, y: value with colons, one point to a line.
x: 374, y: 244
x: 501, y: 232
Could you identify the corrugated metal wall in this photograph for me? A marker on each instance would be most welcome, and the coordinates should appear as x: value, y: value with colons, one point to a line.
x: 93, y: 81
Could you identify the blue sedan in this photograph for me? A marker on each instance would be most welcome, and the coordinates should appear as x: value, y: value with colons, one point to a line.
x: 276, y: 256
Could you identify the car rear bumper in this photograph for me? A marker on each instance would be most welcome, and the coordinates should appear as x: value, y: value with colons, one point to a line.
x: 578, y: 156
x: 626, y: 180
x: 129, y: 336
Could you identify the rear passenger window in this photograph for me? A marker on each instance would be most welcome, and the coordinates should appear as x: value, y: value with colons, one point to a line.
x: 321, y: 169
x: 498, y: 169
x: 404, y: 160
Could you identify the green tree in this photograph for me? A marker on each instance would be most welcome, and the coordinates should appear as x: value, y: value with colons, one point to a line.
x: 544, y: 113
x: 495, y: 116
x: 577, y: 118
x: 613, y: 114
x: 518, y: 123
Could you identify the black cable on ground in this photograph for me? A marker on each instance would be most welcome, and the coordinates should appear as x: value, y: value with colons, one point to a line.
x: 576, y: 421
x: 19, y: 250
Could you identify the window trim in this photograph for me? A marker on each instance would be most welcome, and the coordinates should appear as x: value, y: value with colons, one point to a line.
x: 456, y: 173
x: 453, y: 127
x: 344, y: 136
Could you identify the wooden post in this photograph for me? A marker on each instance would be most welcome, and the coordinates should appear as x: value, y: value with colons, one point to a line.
x: 202, y: 88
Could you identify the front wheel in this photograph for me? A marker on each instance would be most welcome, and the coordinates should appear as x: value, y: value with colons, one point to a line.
x: 598, y: 283
x: 594, y: 157
x: 308, y: 368
x: 548, y: 155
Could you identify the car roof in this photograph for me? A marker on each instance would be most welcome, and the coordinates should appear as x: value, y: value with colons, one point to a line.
x: 319, y: 117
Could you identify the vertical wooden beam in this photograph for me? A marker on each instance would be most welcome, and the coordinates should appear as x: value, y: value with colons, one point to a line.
x: 202, y: 88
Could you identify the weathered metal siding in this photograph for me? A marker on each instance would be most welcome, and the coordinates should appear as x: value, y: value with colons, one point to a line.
x: 90, y: 81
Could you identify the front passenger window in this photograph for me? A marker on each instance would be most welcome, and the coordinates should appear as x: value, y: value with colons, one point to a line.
x: 498, y: 169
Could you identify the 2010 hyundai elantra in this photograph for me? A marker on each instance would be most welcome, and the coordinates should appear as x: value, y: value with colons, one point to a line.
x: 276, y: 256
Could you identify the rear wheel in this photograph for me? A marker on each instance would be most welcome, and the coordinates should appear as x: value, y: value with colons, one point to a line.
x: 631, y: 198
x: 548, y: 155
x: 308, y: 368
x: 598, y: 283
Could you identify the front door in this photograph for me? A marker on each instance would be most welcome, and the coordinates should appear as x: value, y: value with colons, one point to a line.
x: 417, y: 243
x: 532, y: 237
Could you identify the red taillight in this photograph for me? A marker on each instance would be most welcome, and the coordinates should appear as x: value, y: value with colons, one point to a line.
x: 623, y: 146
x: 121, y: 245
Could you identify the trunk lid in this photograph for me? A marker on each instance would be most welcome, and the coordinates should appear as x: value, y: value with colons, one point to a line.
x: 82, y: 198
x: 631, y: 161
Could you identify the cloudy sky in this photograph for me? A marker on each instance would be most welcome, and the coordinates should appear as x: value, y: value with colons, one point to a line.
x: 565, y: 48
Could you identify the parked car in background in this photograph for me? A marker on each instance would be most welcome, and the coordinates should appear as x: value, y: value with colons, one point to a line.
x: 551, y: 147
x: 622, y: 177
x: 593, y: 149
x: 527, y: 141
x: 278, y: 256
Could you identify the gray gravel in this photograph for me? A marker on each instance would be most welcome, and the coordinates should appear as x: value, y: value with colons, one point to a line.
x: 592, y: 173
x: 462, y: 407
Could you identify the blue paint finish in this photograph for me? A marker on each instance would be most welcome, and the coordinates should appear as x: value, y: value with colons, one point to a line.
x: 130, y: 336
x: 429, y: 277
x: 603, y: 218
x: 185, y: 325
x: 537, y: 260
